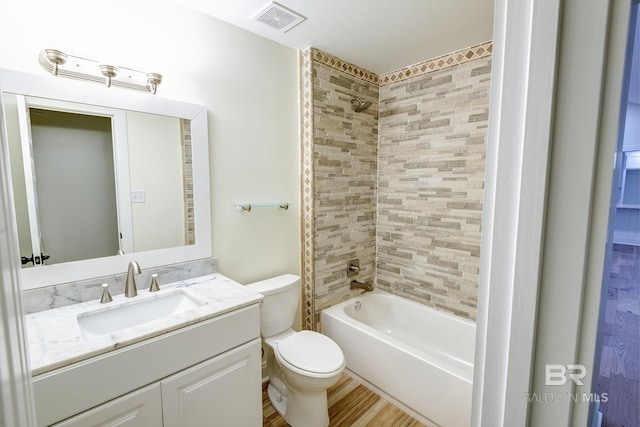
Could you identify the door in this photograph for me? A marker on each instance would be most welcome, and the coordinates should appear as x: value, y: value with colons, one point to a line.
x: 16, y: 396
x: 70, y: 156
x: 73, y: 165
x: 30, y: 184
x: 617, y: 344
x: 548, y: 161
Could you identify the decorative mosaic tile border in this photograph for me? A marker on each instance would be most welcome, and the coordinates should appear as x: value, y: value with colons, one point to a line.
x: 344, y: 66
x: 445, y: 61
x: 308, y: 227
x: 461, y: 56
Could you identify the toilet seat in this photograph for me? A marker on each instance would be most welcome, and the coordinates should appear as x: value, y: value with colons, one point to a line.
x: 310, y: 353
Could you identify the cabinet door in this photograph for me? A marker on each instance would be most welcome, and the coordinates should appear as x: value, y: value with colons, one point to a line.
x: 223, y: 391
x: 140, y: 408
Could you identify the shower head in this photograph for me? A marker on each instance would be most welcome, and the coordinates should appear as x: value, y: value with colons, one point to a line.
x: 358, y: 105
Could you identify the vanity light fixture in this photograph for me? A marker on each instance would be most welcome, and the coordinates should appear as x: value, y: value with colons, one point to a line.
x: 56, y: 58
x: 109, y: 72
x: 61, y: 64
x: 153, y: 80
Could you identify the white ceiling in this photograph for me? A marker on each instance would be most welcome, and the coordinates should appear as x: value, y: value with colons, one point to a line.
x: 380, y: 36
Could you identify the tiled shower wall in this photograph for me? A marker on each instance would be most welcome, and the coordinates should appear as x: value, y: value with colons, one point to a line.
x: 417, y: 185
x: 431, y: 166
x: 344, y: 154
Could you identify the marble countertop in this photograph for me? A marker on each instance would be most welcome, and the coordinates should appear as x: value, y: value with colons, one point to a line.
x: 55, y: 339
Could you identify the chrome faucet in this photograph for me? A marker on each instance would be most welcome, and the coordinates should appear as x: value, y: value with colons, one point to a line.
x: 130, y: 289
x: 366, y: 287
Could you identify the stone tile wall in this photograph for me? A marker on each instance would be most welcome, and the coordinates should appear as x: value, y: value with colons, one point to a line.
x: 399, y: 186
x: 431, y: 167
x: 345, y: 167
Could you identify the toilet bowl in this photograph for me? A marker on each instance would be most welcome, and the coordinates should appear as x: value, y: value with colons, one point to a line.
x: 301, y: 365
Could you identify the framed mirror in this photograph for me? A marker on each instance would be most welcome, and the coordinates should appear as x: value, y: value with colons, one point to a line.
x: 102, y: 177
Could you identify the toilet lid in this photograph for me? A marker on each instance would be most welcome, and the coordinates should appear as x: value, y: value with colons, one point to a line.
x: 311, y: 351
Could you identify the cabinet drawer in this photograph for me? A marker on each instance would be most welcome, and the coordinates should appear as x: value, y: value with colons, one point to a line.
x: 141, y: 408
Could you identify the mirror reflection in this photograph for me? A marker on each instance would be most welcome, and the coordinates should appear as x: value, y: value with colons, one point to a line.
x: 93, y: 182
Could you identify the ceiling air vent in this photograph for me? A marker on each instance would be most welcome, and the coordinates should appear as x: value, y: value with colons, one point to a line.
x: 279, y: 17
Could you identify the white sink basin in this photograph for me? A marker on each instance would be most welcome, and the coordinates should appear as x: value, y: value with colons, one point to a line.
x: 107, y: 320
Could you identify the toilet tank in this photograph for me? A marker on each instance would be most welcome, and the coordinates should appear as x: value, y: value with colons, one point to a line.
x: 278, y: 311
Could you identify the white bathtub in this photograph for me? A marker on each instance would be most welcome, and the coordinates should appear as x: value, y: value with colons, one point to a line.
x: 418, y: 357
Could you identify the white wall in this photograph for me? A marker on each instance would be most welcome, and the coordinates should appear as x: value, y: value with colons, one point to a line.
x: 155, y: 167
x: 249, y: 85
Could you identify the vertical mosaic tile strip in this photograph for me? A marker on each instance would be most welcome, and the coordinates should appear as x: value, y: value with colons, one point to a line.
x: 307, y: 196
x: 345, y: 165
x: 187, y: 158
x: 430, y: 186
x: 462, y: 56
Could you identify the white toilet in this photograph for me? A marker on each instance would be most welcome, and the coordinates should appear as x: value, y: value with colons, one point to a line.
x: 301, y: 365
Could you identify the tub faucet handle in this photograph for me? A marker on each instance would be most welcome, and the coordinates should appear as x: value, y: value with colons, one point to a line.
x: 353, y: 267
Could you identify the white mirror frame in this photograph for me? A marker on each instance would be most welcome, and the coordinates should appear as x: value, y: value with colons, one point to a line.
x: 79, y: 92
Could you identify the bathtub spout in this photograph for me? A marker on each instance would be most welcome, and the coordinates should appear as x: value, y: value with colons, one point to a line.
x: 366, y: 287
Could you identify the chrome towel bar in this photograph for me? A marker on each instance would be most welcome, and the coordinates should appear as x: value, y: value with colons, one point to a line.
x: 246, y: 207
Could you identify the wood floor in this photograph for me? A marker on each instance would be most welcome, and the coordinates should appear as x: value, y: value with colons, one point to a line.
x: 350, y: 404
x: 620, y: 357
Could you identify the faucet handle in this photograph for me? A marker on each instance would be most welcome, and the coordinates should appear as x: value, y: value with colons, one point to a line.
x: 106, y: 296
x: 154, y: 282
x: 353, y: 267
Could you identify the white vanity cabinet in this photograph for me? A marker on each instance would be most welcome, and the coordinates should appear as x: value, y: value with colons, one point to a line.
x: 206, y: 374
x: 220, y: 391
